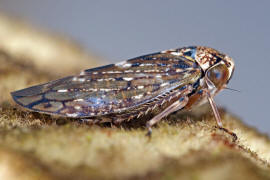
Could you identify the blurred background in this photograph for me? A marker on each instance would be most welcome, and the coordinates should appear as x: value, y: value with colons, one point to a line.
x: 119, y: 30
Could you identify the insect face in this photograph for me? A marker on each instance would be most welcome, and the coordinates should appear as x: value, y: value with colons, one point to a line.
x: 218, y: 67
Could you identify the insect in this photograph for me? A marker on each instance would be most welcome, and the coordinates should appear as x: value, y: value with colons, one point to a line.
x: 158, y: 83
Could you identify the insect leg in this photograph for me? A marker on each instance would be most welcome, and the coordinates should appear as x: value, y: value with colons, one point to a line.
x: 217, y: 116
x: 119, y: 120
x: 88, y: 121
x: 179, y: 104
x: 95, y: 120
x: 214, y: 108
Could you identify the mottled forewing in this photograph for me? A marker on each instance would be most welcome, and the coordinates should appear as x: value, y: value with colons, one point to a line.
x: 114, y: 88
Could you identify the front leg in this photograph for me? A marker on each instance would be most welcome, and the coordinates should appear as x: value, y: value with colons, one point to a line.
x: 217, y: 116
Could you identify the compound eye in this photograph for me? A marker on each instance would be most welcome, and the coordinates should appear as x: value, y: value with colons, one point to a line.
x: 218, y: 75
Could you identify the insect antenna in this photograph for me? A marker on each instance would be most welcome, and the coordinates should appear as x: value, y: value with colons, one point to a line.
x: 235, y: 90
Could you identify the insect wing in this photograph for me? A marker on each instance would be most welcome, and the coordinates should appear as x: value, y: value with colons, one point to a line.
x: 113, y: 88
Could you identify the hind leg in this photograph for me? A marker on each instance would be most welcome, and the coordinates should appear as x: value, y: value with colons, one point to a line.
x: 88, y: 121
